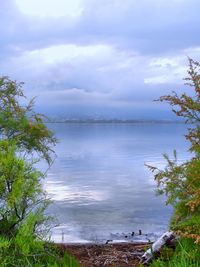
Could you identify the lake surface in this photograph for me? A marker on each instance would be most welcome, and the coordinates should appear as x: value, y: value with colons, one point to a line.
x: 100, y: 185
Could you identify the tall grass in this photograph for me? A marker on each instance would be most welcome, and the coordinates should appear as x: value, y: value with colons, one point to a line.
x: 187, y: 254
x: 34, y: 254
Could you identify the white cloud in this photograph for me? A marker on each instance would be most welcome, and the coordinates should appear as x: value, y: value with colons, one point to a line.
x: 167, y: 70
x: 70, y: 53
x: 50, y: 8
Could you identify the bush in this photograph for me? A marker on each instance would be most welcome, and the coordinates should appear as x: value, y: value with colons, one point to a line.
x: 181, y: 182
x: 20, y: 193
x: 23, y: 224
x: 20, y: 123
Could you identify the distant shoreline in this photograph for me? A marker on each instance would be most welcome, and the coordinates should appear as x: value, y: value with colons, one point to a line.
x: 115, y: 122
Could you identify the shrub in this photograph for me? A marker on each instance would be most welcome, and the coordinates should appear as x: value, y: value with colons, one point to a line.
x: 181, y: 182
x: 23, y: 224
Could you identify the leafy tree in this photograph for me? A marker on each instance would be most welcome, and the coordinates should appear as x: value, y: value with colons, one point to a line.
x: 21, y: 194
x: 21, y: 123
x: 23, y: 224
x: 181, y: 182
x: 22, y: 133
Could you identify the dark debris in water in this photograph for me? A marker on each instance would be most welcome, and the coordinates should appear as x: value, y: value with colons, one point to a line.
x: 133, y: 237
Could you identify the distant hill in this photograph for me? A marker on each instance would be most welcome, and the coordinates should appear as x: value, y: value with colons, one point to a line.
x: 75, y: 120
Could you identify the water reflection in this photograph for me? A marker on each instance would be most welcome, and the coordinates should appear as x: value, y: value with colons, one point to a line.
x: 81, y: 196
x: 99, y: 183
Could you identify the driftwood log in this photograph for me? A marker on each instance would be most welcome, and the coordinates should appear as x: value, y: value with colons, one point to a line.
x: 167, y: 239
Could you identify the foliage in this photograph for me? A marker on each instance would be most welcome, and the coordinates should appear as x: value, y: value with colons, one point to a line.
x: 21, y: 123
x: 187, y: 106
x: 22, y: 134
x: 185, y: 255
x: 24, y: 251
x: 23, y: 224
x: 181, y: 182
x: 22, y: 221
x: 21, y: 194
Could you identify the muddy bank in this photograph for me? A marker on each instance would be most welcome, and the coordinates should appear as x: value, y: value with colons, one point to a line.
x: 99, y: 255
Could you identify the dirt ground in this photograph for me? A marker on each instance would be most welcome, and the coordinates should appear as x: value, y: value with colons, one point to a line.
x: 108, y: 255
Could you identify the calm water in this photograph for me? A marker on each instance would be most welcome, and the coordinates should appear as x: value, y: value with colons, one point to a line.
x: 100, y: 186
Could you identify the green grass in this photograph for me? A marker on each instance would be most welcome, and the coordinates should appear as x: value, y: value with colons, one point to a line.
x: 41, y: 254
x: 187, y: 254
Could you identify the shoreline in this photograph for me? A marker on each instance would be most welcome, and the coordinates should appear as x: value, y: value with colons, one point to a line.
x: 115, y: 122
x: 138, y: 237
x: 121, y: 254
x: 139, y: 242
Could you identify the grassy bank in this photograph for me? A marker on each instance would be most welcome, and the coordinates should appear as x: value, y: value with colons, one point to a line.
x: 186, y: 254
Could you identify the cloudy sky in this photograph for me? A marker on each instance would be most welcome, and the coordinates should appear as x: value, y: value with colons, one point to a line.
x: 107, y: 58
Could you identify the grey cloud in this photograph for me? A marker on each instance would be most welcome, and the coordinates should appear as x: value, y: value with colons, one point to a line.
x: 136, y: 33
x: 147, y: 26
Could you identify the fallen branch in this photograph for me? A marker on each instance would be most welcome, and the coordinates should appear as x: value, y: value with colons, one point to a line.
x: 168, y: 239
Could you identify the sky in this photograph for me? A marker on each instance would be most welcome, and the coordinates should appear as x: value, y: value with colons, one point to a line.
x: 99, y: 58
